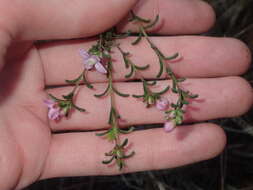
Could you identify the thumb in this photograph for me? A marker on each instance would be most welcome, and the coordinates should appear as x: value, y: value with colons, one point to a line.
x: 59, y: 19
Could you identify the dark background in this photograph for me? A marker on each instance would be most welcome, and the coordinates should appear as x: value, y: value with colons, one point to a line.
x: 232, y: 170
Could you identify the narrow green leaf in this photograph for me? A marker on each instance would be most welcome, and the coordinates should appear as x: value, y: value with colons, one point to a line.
x: 102, y: 134
x: 151, y: 83
x: 173, y: 106
x: 64, y: 103
x: 193, y: 96
x: 152, y: 23
x: 138, y: 39
x: 138, y: 96
x: 120, y: 163
x: 126, y: 61
x: 181, y: 79
x: 86, y: 82
x: 131, y: 129
x: 112, y: 116
x: 123, y: 35
x: 174, y: 86
x: 168, y: 112
x: 69, y: 96
x: 111, y: 153
x: 104, y: 93
x: 54, y: 98
x: 124, y: 143
x: 174, y: 90
x: 163, y: 91
x: 185, y: 102
x: 125, y: 56
x: 119, y: 93
x: 137, y: 18
x: 142, y: 67
x: 161, y: 63
x: 129, y: 155
x: 108, y: 161
x: 130, y: 73
x: 74, y: 81
x: 78, y: 108
x: 132, y: 17
x: 145, y: 88
x: 170, y: 57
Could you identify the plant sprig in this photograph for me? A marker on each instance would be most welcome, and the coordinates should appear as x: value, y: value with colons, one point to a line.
x: 81, y: 78
x: 110, y: 87
x: 177, y: 114
x: 118, y: 154
x: 129, y: 63
x: 67, y: 103
x: 99, y: 57
x: 148, y: 96
x: 112, y: 134
x: 143, y: 26
x: 105, y: 44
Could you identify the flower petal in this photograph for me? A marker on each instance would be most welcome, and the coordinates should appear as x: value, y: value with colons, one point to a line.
x: 96, y: 58
x: 87, y: 65
x: 169, y: 126
x: 54, y: 113
x: 49, y: 103
x: 162, y: 104
x: 84, y: 53
x: 100, y: 68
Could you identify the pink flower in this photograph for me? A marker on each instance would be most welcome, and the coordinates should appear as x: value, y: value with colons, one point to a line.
x: 169, y: 126
x: 54, y: 112
x: 91, y: 61
x: 162, y: 104
x: 50, y: 103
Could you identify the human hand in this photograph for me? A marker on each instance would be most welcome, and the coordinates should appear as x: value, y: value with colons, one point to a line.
x: 28, y: 148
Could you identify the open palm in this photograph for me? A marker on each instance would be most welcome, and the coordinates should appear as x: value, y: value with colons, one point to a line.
x: 29, y: 150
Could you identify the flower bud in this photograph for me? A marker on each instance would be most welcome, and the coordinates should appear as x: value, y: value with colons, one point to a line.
x: 54, y: 113
x: 162, y: 104
x: 151, y: 100
x: 169, y: 126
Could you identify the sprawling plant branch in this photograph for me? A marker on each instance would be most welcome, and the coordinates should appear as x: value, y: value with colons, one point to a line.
x: 99, y: 58
x: 118, y: 154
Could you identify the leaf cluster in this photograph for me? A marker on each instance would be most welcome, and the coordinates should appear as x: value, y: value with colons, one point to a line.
x: 177, y: 114
x: 67, y: 104
x: 118, y: 154
x: 81, y: 77
x: 112, y: 134
x: 129, y: 63
x: 148, y: 96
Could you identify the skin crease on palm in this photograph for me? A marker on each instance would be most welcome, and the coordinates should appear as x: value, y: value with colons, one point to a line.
x: 30, y: 151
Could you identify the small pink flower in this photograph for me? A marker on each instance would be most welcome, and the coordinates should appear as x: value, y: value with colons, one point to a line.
x: 169, y: 126
x: 162, y: 104
x: 54, y: 112
x: 50, y: 103
x: 91, y: 61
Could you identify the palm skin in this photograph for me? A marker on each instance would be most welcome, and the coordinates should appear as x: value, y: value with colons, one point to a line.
x: 29, y: 151
x: 24, y: 117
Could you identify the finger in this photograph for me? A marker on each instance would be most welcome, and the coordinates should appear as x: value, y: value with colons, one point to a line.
x: 36, y: 20
x: 218, y: 98
x: 197, y: 16
x: 200, y: 57
x: 80, y: 154
x: 19, y: 72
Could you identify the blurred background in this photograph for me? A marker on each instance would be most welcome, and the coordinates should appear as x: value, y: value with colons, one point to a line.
x: 232, y: 170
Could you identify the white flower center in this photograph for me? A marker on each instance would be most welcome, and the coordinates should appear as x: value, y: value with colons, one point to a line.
x: 91, y: 61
